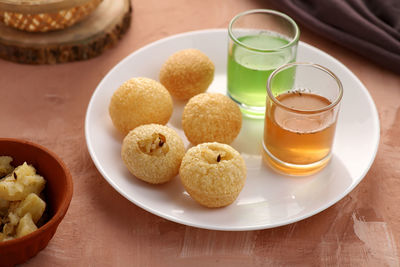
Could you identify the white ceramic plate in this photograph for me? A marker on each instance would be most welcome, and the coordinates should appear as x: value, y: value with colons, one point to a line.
x: 268, y: 199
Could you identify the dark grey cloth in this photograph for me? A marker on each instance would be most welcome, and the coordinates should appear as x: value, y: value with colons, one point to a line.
x: 368, y: 27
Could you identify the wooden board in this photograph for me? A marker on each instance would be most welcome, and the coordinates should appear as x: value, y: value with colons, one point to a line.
x: 86, y: 39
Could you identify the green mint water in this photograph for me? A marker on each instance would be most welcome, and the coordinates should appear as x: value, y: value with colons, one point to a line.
x: 248, y: 70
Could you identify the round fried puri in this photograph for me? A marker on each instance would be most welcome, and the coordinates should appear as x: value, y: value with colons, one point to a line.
x: 211, y: 117
x: 140, y: 101
x: 153, y: 153
x: 187, y: 73
x: 213, y: 174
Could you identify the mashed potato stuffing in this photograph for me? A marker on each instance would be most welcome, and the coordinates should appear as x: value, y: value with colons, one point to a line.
x: 21, y: 208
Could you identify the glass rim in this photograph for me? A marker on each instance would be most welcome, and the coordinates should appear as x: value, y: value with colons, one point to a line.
x: 308, y: 64
x: 292, y: 42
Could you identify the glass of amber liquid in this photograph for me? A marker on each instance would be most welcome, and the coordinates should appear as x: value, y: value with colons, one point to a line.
x: 300, y: 118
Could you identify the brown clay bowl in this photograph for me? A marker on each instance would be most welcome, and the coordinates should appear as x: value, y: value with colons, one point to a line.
x: 58, y: 194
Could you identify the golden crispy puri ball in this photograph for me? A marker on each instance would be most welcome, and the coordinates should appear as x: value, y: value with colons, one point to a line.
x: 153, y: 153
x: 140, y: 101
x: 187, y: 73
x: 211, y: 117
x: 213, y: 174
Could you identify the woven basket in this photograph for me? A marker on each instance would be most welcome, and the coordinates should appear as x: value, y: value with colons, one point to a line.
x: 44, y: 17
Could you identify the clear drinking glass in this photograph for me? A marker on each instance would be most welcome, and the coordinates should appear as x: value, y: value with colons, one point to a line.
x: 259, y: 41
x: 300, y: 118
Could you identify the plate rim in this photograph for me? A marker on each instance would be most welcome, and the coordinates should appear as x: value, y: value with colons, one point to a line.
x: 234, y: 228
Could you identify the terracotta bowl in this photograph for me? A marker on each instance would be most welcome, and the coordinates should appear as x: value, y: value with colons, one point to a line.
x: 58, y: 193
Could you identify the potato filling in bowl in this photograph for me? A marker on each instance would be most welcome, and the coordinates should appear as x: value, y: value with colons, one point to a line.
x: 21, y: 207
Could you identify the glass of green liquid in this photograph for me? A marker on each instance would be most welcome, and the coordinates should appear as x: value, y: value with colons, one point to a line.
x: 260, y: 41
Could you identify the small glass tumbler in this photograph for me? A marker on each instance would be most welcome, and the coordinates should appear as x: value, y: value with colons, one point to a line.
x: 260, y: 40
x: 300, y: 119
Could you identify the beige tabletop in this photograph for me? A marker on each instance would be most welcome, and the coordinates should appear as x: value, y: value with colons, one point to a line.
x: 47, y: 105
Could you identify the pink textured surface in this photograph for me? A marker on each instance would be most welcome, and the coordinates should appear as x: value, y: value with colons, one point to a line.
x: 47, y: 105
